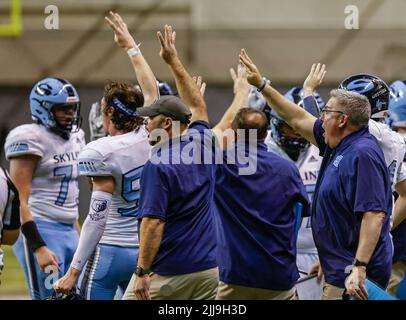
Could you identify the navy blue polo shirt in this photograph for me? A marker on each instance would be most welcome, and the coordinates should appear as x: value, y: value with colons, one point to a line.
x: 256, y: 242
x: 353, y: 179
x: 181, y: 194
x: 399, y: 242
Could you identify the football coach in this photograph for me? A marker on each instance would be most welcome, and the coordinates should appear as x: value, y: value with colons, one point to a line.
x: 177, y: 254
x: 352, y: 201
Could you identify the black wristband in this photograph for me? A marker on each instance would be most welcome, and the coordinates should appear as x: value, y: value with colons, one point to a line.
x: 31, y: 233
x: 358, y: 263
x: 264, y: 84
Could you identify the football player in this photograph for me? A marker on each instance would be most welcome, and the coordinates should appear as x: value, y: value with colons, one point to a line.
x: 108, y: 246
x: 95, y: 115
x: 43, y: 168
x: 397, y: 120
x: 9, y: 213
x: 283, y: 140
x: 391, y: 143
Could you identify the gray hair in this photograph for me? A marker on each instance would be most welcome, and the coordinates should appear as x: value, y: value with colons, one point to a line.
x: 353, y: 104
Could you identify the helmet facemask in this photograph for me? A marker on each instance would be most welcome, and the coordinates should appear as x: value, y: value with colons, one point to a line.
x: 284, y: 137
x: 69, y: 123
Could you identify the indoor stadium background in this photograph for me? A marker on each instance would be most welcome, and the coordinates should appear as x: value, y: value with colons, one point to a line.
x: 283, y: 37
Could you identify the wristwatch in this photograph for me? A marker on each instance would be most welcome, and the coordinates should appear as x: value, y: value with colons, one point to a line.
x: 358, y: 263
x: 140, y: 271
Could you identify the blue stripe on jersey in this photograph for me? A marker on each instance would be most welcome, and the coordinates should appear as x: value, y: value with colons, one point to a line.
x: 86, y: 167
x: 17, y: 147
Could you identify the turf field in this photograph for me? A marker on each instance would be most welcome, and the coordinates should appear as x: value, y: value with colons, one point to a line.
x: 13, y: 284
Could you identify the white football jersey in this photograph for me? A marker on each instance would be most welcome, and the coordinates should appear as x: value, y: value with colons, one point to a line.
x: 308, y: 163
x: 122, y: 157
x: 393, y: 147
x: 4, y: 191
x: 54, y: 191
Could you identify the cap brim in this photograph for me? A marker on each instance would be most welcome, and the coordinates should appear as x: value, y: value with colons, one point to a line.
x: 147, y: 112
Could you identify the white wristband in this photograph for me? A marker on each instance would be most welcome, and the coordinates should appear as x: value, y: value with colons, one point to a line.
x: 132, y: 52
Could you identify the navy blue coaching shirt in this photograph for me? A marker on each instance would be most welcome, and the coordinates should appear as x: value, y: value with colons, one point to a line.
x: 181, y: 194
x: 353, y: 179
x: 256, y: 241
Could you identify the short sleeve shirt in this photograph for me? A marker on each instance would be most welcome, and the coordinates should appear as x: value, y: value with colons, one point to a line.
x: 177, y: 188
x: 353, y: 179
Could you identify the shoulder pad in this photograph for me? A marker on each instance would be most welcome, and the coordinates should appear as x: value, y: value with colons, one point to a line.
x: 23, y: 140
x: 91, y: 162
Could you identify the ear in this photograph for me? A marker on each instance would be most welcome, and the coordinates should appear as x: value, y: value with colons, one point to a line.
x: 109, y: 111
x: 167, y: 123
x: 343, y: 120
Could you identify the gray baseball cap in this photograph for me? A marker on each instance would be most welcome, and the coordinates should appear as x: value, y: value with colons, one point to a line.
x: 170, y: 106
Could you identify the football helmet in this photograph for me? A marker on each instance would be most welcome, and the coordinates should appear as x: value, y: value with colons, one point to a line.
x: 293, y: 146
x: 374, y: 88
x: 397, y: 105
x: 50, y: 93
x: 75, y: 294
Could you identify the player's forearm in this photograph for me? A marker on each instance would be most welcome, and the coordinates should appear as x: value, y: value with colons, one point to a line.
x: 93, y: 228
x: 145, y: 78
x: 239, y: 102
x: 151, y: 232
x: 187, y: 88
x: 371, y: 227
x: 26, y: 214
x: 9, y: 237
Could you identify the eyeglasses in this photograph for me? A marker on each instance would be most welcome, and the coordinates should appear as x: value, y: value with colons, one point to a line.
x: 326, y: 110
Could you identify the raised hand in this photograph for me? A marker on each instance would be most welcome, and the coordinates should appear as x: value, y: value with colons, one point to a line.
x: 253, y: 75
x: 315, y: 78
x: 200, y: 84
x: 240, y: 78
x: 168, y: 50
x: 122, y: 36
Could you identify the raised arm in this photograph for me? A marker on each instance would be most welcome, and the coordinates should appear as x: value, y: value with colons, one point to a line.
x: 299, y: 119
x: 187, y: 88
x: 143, y: 72
x: 241, y: 90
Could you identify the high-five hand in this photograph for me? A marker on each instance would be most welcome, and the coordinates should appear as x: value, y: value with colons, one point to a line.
x: 122, y: 36
x: 253, y: 75
x: 168, y: 50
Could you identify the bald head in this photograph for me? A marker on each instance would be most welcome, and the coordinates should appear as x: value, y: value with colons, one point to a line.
x: 251, y: 119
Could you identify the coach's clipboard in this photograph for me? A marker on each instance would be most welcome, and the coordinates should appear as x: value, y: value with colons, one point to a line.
x: 375, y: 292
